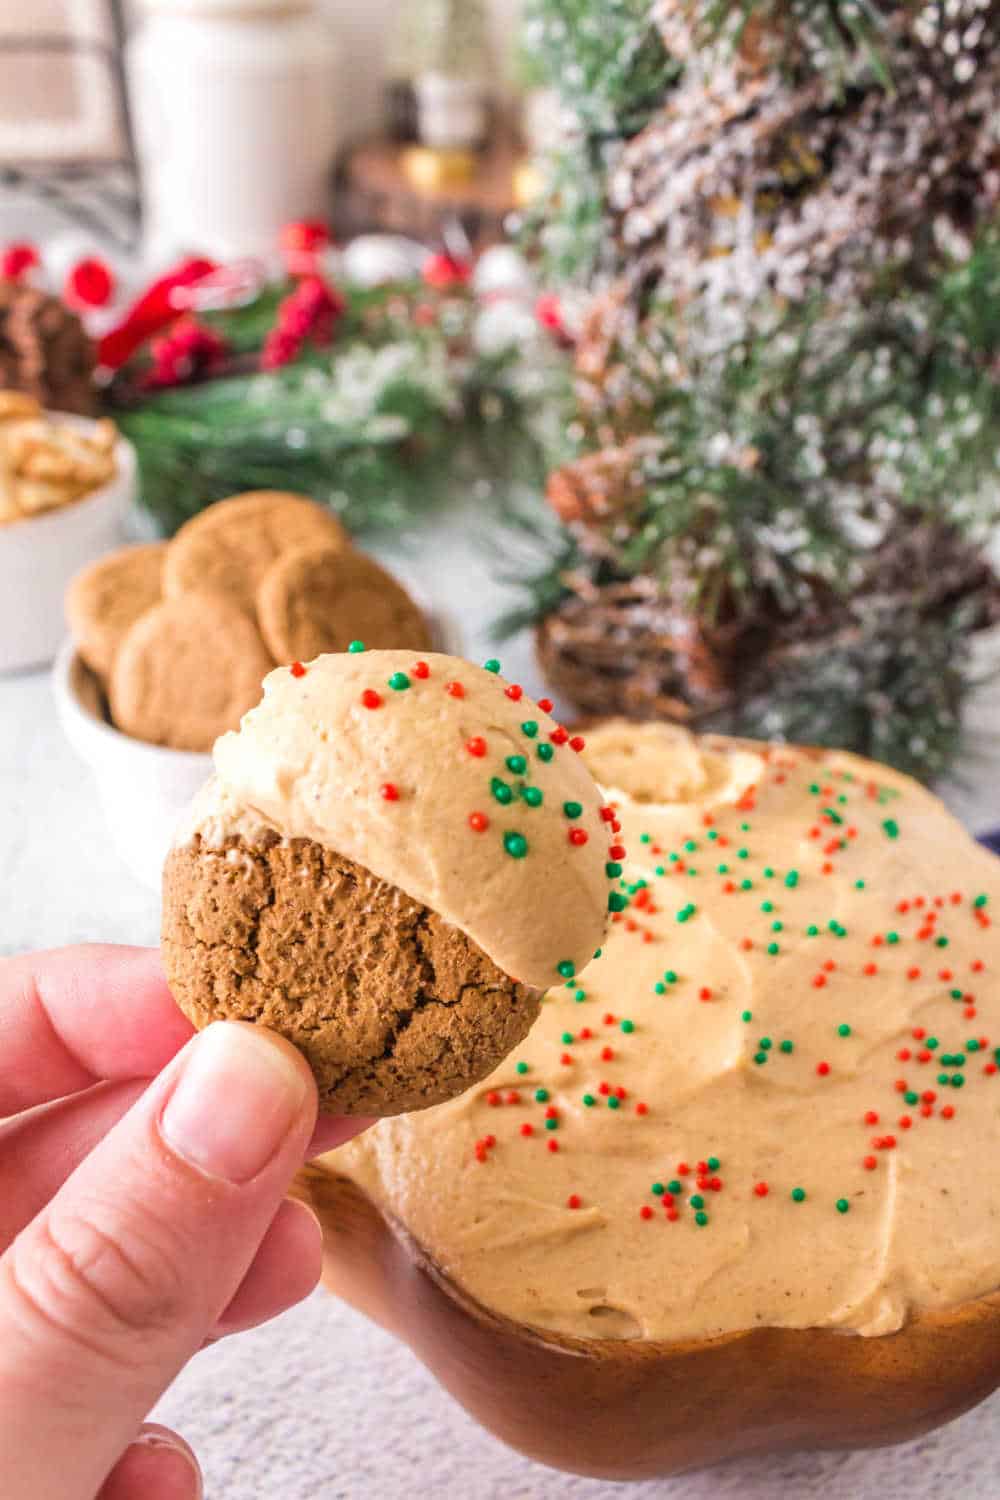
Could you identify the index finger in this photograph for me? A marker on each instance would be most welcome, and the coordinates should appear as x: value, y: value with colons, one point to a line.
x: 73, y: 1017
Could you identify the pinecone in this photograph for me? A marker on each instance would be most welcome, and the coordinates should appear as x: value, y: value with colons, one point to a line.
x: 44, y: 350
x: 598, y: 487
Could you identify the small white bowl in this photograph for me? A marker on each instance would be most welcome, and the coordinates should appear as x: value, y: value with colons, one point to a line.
x: 143, y: 788
x: 39, y: 556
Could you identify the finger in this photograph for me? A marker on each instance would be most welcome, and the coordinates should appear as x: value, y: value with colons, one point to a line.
x: 333, y: 1130
x: 158, y: 1465
x: 112, y: 1288
x: 69, y: 1019
x: 285, y: 1269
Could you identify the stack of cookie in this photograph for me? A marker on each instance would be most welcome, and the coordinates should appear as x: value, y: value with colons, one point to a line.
x: 180, y: 634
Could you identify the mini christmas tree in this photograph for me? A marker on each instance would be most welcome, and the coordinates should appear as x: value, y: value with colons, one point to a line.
x: 788, y: 376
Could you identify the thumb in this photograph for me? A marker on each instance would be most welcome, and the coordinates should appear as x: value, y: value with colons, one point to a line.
x: 113, y: 1287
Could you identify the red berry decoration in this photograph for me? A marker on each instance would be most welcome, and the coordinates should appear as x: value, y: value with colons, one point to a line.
x: 90, y: 283
x: 18, y: 259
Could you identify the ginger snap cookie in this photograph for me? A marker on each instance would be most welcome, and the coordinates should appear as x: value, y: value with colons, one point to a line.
x: 396, y: 856
x: 186, y: 671
x: 106, y: 598
x: 229, y: 547
x: 318, y: 599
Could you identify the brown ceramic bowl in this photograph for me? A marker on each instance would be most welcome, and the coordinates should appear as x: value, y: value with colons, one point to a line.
x: 639, y: 1410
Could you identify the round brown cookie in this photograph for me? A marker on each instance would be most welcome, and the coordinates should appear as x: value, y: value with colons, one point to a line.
x: 228, y: 548
x: 186, y: 671
x: 106, y: 598
x: 393, y: 1008
x: 317, y: 599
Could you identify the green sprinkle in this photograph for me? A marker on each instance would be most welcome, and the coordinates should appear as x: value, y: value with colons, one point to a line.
x: 660, y: 870
x: 675, y: 1186
x: 941, y: 942
x: 541, y: 1096
x: 530, y: 728
x: 892, y: 937
x: 567, y: 1037
x: 501, y: 791
x: 659, y: 988
x: 814, y: 788
x: 598, y: 952
x: 515, y: 844
x: 955, y: 994
x: 399, y: 681
x: 773, y: 948
x: 613, y: 1102
x: 516, y: 763
x: 744, y: 827
x: 612, y: 869
x: 760, y: 1057
x: 552, y: 1124
x: 532, y: 795
x: 628, y: 1027
x: 722, y: 869
x: 832, y: 814
x: 765, y: 1044
x: 658, y: 1189
x: 670, y: 976
x: 746, y: 885
x: 798, y: 1195
x: 767, y: 906
x: 843, y: 1029
x: 777, y: 926
x: 972, y: 1045
x: 957, y: 1081
x: 690, y: 845
x: 546, y: 752
x: 891, y: 828
x: 842, y: 1206
x: 701, y: 1219
x: 645, y: 838
x: 812, y: 930
x: 943, y: 1080
x: 572, y: 809
x: 713, y: 834
x: 746, y: 1015
x: 743, y: 854
x: 492, y: 665
x: 931, y: 1043
x: 522, y: 1067
x: 910, y: 1097
x: 697, y: 1201
x: 792, y: 879
x: 579, y: 996
x: 566, y: 967
x: 768, y: 873
x: 589, y: 1100
x: 859, y: 885
x: 617, y: 902
x: 356, y: 646
x: 713, y: 1163
x: 787, y: 1046
x: 686, y: 912
x: 674, y: 858
x: 981, y: 901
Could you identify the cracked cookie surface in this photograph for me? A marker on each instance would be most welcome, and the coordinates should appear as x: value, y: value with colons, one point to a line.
x: 393, y: 1008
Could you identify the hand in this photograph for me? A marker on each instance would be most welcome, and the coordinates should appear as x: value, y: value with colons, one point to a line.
x: 142, y: 1212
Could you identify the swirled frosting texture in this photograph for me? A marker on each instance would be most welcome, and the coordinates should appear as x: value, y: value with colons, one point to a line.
x: 774, y: 1100
x: 442, y: 779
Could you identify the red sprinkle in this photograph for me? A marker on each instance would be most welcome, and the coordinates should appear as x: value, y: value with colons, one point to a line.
x: 545, y: 704
x: 905, y: 1122
x: 514, y: 692
x: 704, y: 993
x: 573, y: 1201
x: 617, y: 851
x: 871, y: 1117
x: 642, y: 1109
x: 577, y: 743
x: 527, y: 1128
x: 607, y: 814
x: 822, y: 1069
x: 421, y: 670
x: 493, y: 1098
x: 607, y: 1054
x: 948, y: 1112
x: 389, y: 791
x: 297, y: 669
x: 870, y: 1162
x: 645, y: 1212
x: 370, y: 699
x: 455, y: 689
x: 478, y: 822
x: 578, y: 837
x: 476, y: 746
x: 553, y: 1145
x: 761, y: 1189
x: 559, y: 735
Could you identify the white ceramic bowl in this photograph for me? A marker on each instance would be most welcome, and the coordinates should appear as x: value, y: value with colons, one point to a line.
x: 144, y: 788
x: 39, y: 556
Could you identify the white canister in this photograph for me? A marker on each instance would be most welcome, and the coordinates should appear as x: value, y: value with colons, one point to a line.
x: 235, y: 120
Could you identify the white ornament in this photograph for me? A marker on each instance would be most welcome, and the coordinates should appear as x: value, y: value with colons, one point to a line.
x: 501, y: 268
x: 372, y: 259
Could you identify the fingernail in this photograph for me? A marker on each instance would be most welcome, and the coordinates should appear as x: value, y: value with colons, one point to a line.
x: 238, y: 1097
x: 176, y: 1471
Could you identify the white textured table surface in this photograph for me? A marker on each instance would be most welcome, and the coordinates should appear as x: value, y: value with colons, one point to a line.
x: 321, y: 1403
